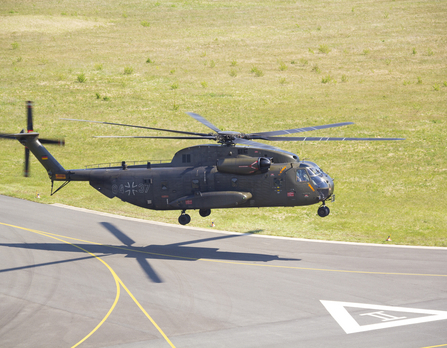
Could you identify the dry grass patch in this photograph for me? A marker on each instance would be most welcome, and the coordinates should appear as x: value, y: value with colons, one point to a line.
x: 45, y: 24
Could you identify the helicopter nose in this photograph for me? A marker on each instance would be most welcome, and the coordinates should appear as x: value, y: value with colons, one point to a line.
x: 326, y: 188
x: 331, y: 185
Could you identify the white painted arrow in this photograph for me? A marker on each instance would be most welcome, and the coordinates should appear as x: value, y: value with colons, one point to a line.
x: 350, y: 325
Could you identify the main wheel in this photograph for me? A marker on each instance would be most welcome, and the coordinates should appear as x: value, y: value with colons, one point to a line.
x: 204, y: 212
x: 323, y: 211
x: 184, y: 219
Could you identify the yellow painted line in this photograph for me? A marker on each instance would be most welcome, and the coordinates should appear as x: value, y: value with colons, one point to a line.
x: 441, y: 345
x: 256, y: 264
x: 282, y: 170
x: 311, y: 186
x: 327, y: 270
x: 114, y: 303
x: 118, y: 282
x: 272, y: 266
x: 147, y: 315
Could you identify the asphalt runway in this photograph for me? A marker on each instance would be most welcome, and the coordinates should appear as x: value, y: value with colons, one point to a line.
x: 71, y: 278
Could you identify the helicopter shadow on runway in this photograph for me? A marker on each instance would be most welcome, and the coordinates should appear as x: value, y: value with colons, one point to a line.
x: 176, y: 251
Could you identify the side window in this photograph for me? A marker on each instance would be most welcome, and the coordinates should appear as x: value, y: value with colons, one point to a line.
x: 301, y: 175
x: 164, y: 185
x: 234, y: 182
x: 186, y: 158
x: 195, y: 184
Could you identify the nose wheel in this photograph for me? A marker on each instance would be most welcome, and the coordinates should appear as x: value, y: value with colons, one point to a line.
x: 323, y: 211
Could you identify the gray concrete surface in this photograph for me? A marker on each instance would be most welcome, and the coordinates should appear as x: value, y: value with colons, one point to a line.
x: 72, y: 278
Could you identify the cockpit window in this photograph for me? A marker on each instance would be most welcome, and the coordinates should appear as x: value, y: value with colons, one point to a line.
x: 301, y: 175
x: 314, y: 171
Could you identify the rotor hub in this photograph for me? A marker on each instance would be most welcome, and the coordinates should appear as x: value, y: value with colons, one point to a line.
x: 228, y: 137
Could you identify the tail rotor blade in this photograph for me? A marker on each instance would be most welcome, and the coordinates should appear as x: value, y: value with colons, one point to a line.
x: 7, y: 136
x: 29, y: 109
x: 60, y: 142
x: 26, y: 168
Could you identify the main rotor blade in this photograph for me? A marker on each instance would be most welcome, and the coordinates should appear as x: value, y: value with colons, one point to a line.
x: 201, y: 119
x: 133, y: 126
x: 212, y: 137
x: 295, y: 130
x: 261, y: 145
x: 327, y: 139
x: 254, y: 143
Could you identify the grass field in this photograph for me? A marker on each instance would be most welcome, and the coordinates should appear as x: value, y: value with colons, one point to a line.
x: 246, y: 66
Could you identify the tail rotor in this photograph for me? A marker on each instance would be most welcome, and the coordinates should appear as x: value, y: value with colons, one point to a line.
x: 22, y: 138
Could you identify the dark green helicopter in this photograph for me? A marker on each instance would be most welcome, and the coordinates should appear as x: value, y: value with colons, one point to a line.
x: 203, y: 177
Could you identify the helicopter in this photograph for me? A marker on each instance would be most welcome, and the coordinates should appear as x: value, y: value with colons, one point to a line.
x: 237, y: 172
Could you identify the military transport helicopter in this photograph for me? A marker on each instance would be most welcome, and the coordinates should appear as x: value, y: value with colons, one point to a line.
x: 203, y: 177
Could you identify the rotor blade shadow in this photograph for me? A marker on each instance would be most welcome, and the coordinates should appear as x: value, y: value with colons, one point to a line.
x: 150, y: 272
x: 254, y: 231
x: 47, y: 264
x: 122, y: 237
x: 235, y: 235
x: 176, y: 251
x: 141, y: 259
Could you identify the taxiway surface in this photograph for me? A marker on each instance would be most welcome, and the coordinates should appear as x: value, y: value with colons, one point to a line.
x: 72, y: 278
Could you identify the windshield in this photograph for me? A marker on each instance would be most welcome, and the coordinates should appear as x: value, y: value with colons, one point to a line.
x: 301, y: 175
x: 314, y: 171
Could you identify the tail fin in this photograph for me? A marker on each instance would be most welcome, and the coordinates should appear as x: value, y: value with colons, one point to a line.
x: 53, y: 167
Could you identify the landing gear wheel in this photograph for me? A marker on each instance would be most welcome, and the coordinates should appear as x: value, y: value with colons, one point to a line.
x: 323, y: 211
x: 184, y: 219
x: 204, y: 212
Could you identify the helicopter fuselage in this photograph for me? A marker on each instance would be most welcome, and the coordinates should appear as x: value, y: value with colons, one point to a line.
x: 208, y: 177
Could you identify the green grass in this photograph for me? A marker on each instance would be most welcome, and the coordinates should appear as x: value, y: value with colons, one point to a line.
x: 227, y: 57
